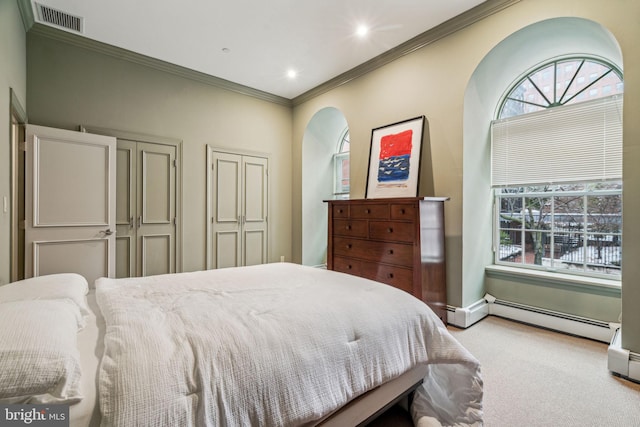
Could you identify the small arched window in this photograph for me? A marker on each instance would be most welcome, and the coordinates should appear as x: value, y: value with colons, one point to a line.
x: 557, y: 169
x: 341, y: 166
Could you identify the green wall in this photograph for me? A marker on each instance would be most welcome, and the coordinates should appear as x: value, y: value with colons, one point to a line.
x: 13, y: 76
x: 433, y: 81
x: 70, y: 85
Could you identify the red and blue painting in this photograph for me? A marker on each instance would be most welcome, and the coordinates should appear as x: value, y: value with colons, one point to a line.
x: 395, y: 155
x: 394, y: 159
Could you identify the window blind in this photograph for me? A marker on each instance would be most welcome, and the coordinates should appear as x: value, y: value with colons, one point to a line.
x: 579, y: 142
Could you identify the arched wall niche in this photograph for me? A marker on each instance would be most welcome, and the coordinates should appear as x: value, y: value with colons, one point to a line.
x: 496, y: 73
x: 319, y: 144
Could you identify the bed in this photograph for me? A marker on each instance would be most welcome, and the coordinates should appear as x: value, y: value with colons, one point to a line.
x: 276, y: 344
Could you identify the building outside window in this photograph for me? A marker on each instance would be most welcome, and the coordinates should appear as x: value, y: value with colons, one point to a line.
x: 557, y: 170
x: 341, y: 167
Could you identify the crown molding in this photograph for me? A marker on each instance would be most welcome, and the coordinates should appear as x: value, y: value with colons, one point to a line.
x: 16, y: 107
x: 26, y: 13
x: 147, y: 61
x: 447, y: 28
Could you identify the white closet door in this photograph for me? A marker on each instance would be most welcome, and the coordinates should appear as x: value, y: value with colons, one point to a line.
x: 146, y: 209
x: 238, y: 210
x: 126, y: 208
x: 156, y: 196
x: 70, y: 205
x: 225, y: 195
x: 254, y: 227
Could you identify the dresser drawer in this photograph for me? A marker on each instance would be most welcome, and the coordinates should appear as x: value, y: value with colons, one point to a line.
x: 398, y: 277
x: 340, y: 210
x: 369, y: 211
x: 393, y: 231
x: 348, y: 265
x: 403, y: 212
x: 389, y: 253
x: 350, y: 227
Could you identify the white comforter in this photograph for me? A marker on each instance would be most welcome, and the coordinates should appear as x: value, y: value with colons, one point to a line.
x: 269, y: 345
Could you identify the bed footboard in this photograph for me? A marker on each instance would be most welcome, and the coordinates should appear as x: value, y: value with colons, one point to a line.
x: 364, y: 409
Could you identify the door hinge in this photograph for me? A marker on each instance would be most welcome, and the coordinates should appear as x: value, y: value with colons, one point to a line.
x: 175, y: 163
x: 23, y: 224
x: 23, y: 146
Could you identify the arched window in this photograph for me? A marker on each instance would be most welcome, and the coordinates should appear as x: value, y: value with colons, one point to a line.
x: 341, y: 166
x: 562, y: 82
x: 557, y: 169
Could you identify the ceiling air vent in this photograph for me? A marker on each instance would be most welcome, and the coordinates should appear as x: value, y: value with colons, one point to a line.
x: 58, y: 18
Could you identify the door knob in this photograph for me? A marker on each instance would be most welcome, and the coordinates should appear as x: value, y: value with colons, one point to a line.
x: 108, y: 232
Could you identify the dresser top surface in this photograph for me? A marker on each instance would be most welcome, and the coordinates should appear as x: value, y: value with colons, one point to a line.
x: 391, y: 200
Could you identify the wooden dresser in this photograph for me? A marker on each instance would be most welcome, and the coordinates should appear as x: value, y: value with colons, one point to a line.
x: 397, y: 241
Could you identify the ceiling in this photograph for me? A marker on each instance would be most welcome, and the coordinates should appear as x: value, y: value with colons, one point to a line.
x: 255, y: 43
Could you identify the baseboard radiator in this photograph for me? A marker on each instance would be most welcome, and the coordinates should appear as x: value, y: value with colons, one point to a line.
x: 621, y: 361
x: 558, y: 321
x: 562, y: 322
x: 463, y: 317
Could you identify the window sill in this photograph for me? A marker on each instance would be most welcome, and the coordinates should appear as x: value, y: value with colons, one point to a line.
x: 556, y: 280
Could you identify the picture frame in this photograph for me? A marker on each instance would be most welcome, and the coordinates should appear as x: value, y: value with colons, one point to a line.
x: 394, y: 159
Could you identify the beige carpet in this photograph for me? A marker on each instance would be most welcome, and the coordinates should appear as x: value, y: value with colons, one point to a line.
x: 535, y: 377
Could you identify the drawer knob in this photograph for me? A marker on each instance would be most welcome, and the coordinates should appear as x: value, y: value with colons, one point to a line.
x: 349, y: 267
x: 349, y: 246
x: 402, y: 211
x: 367, y: 211
x: 389, y: 230
x: 348, y: 227
x: 340, y: 211
x: 390, y: 275
x: 390, y: 251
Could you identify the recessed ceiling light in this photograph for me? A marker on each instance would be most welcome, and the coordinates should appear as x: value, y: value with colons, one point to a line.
x: 362, y: 30
x: 292, y: 74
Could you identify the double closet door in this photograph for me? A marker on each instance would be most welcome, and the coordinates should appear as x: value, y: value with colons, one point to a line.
x: 237, y: 209
x: 145, y: 208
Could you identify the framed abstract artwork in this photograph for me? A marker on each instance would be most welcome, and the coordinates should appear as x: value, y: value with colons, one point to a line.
x: 394, y: 159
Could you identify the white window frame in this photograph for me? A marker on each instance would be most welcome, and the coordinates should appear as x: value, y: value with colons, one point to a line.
x: 341, y: 191
x: 607, y: 184
x: 568, y: 245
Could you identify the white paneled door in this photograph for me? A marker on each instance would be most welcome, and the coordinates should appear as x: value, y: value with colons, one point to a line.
x: 238, y: 205
x: 254, y: 208
x: 146, y: 209
x: 70, y: 204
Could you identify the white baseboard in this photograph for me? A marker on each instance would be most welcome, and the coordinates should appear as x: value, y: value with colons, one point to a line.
x: 621, y: 361
x: 463, y: 317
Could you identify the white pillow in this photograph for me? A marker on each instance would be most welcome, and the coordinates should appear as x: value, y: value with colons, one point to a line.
x: 52, y: 286
x: 39, y: 358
